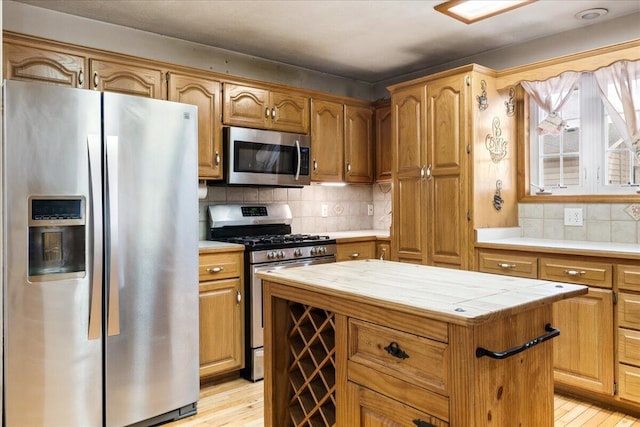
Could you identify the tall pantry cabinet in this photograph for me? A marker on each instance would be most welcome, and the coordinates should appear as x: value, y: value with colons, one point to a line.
x: 453, y: 165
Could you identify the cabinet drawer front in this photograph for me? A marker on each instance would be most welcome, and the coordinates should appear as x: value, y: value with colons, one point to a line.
x: 220, y: 266
x: 371, y: 409
x: 409, y: 357
x: 355, y: 251
x: 629, y: 310
x: 629, y: 346
x: 509, y: 265
x: 629, y: 382
x: 580, y: 272
x: 628, y: 277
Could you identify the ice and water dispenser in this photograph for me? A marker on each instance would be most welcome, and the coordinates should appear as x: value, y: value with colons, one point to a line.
x: 57, y: 233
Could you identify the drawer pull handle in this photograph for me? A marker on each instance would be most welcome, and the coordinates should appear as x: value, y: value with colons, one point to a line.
x: 394, y: 349
x: 551, y: 333
x: 354, y: 255
x: 575, y: 272
x: 419, y: 423
x: 215, y: 269
x: 505, y: 265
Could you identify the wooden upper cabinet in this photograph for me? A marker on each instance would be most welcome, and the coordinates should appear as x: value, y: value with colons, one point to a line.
x: 409, y: 189
x: 327, y: 141
x: 261, y: 108
x: 126, y: 78
x: 39, y: 64
x: 358, y: 144
x: 383, y: 143
x: 205, y: 94
x: 447, y: 136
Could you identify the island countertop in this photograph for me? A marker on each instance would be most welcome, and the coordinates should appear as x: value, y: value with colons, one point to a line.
x: 455, y: 296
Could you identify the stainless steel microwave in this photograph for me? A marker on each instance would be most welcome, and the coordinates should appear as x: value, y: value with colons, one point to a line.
x: 263, y: 157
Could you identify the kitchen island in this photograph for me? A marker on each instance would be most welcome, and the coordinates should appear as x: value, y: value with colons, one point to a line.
x: 381, y: 343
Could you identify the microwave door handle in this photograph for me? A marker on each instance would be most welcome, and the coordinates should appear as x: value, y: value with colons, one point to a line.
x: 299, y: 160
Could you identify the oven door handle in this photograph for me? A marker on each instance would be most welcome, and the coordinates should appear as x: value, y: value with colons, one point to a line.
x: 297, y: 176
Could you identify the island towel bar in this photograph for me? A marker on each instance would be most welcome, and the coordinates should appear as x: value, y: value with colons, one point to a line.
x: 551, y: 333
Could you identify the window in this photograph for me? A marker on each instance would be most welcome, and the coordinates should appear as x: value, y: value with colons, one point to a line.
x: 589, y: 154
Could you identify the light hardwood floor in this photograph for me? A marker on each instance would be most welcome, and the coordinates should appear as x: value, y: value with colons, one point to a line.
x: 239, y: 403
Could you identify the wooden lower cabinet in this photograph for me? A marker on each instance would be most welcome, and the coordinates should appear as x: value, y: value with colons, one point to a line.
x: 597, y: 354
x: 221, y: 313
x: 583, y: 353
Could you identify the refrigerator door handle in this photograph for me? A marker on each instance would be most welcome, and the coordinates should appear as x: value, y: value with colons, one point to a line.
x: 95, y: 183
x: 113, y: 313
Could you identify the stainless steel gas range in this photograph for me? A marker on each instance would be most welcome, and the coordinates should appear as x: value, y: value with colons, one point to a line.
x: 265, y: 231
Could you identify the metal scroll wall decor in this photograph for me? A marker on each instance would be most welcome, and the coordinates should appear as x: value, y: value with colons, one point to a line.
x: 483, y: 102
x: 510, y: 103
x: 497, y: 197
x: 495, y: 143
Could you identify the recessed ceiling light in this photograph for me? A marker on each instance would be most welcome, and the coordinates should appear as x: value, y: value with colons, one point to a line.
x: 590, y: 14
x: 470, y: 11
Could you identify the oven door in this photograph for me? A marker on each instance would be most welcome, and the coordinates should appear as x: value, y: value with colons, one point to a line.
x: 259, y: 157
x: 255, y: 288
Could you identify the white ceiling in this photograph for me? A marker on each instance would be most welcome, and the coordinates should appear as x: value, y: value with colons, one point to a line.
x: 369, y: 41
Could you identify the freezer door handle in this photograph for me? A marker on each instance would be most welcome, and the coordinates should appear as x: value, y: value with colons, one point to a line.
x: 95, y: 207
x: 113, y: 310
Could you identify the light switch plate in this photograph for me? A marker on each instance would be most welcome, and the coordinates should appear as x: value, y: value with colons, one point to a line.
x: 370, y: 210
x: 324, y: 211
x: 573, y: 217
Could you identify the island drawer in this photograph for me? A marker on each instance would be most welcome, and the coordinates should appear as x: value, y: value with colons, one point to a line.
x: 575, y: 271
x: 629, y: 310
x: 628, y: 277
x: 629, y: 346
x: 508, y: 264
x: 406, y: 356
x: 220, y: 266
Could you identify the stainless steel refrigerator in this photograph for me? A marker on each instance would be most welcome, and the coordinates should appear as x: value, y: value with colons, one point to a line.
x: 100, y: 277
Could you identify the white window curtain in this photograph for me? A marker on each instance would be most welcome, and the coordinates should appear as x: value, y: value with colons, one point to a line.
x: 551, y: 95
x: 619, y: 89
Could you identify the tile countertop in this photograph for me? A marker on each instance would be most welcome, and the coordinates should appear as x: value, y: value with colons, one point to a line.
x: 355, y: 235
x: 495, y: 237
x: 209, y: 246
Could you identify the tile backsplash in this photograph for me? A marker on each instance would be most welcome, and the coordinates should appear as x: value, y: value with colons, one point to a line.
x: 602, y: 222
x: 347, y: 207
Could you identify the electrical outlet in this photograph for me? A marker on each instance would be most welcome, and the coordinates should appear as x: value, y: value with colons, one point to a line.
x: 573, y: 217
x: 370, y: 210
x: 324, y: 211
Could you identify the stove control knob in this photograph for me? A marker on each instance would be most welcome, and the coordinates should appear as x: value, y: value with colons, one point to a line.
x: 280, y: 254
x: 324, y: 250
x: 314, y: 251
x: 297, y: 252
x: 271, y: 255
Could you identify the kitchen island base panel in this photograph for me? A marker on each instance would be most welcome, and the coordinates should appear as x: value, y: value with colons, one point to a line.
x: 481, y: 391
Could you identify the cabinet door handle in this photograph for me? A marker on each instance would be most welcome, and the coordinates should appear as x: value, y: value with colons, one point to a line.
x: 215, y: 269
x: 348, y: 166
x: 315, y: 165
x: 80, y: 78
x: 266, y: 113
x: 273, y: 113
x: 429, y: 173
x: 382, y: 254
x: 422, y: 172
x: 96, y: 80
x: 354, y: 255
x: 238, y: 296
x: 394, y: 349
x: 505, y: 265
x: 217, y: 159
x: 575, y: 272
x: 551, y: 333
